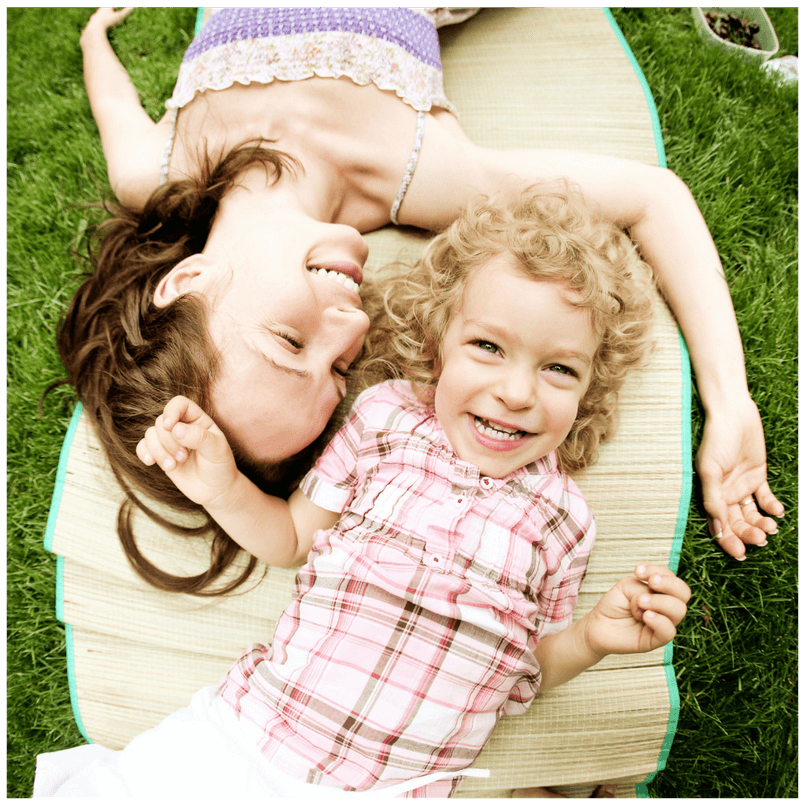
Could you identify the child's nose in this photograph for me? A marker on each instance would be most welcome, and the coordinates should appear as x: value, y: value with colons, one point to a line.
x: 517, y: 390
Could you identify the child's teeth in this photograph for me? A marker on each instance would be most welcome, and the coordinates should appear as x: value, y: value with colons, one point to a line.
x: 490, y: 430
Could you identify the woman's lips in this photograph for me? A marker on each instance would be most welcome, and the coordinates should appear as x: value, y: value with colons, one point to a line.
x: 348, y: 268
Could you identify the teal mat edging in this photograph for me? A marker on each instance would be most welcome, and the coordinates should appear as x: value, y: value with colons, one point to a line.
x: 686, y: 437
x: 55, y: 504
x: 198, y: 22
x: 662, y: 156
x: 60, y: 477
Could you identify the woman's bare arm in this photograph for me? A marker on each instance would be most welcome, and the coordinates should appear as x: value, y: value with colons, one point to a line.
x: 658, y: 210
x: 131, y: 141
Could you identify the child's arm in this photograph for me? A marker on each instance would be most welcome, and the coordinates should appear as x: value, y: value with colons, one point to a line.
x: 196, y: 456
x: 639, y: 614
x: 131, y: 144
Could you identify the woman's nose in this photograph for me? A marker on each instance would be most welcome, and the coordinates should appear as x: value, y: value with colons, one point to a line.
x: 347, y: 329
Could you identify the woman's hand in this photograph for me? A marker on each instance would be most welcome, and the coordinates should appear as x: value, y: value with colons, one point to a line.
x: 732, y: 465
x: 186, y: 443
x: 638, y: 614
x: 102, y: 20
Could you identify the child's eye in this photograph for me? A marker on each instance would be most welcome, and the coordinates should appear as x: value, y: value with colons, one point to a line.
x: 483, y: 344
x: 562, y: 370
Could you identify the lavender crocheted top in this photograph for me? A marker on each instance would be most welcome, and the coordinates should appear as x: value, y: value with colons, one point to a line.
x: 397, y: 49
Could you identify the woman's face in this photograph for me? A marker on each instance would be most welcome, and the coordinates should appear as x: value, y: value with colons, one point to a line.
x: 286, y: 317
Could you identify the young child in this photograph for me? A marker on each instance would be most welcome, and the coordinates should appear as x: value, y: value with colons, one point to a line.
x: 442, y: 545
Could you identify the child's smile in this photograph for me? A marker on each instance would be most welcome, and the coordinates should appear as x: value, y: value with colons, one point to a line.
x: 497, y: 436
x: 516, y: 360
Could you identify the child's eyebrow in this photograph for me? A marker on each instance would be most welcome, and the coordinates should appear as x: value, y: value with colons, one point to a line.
x: 577, y: 354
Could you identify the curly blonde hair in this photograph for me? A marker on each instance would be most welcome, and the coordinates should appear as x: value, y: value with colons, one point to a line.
x: 554, y: 236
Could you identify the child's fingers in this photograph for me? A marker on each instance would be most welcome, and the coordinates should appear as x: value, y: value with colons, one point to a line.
x: 662, y: 580
x: 661, y: 627
x: 666, y: 605
x: 183, y: 409
x: 201, y: 435
x: 144, y: 454
x: 162, y: 448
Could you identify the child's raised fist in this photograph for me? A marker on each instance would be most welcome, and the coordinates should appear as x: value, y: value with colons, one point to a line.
x: 640, y: 613
x: 186, y: 443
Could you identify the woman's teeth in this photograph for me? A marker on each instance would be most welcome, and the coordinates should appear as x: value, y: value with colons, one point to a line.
x: 345, y: 280
x: 495, y: 431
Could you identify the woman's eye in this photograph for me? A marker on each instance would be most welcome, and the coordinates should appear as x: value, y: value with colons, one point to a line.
x: 342, y: 373
x: 294, y: 342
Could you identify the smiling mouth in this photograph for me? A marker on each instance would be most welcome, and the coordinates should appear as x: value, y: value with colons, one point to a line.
x: 501, y: 433
x: 340, y: 277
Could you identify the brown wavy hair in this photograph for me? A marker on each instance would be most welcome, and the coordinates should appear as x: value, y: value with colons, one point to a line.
x: 126, y: 358
x: 553, y: 236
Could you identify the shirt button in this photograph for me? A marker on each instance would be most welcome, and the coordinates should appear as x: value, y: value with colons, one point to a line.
x: 487, y: 483
x: 459, y: 500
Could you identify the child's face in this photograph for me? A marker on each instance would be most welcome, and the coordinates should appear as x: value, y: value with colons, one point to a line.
x: 516, y: 360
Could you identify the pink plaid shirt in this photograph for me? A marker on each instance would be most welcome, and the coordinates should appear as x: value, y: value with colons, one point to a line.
x: 413, y: 624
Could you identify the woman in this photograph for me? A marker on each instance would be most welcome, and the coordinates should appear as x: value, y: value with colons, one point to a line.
x: 257, y: 275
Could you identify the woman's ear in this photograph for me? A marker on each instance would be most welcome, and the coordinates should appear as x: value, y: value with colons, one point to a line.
x: 193, y: 274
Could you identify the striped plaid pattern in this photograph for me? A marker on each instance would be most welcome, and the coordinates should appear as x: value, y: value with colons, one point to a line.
x: 413, y: 624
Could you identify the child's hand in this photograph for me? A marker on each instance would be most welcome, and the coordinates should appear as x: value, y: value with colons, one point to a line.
x: 639, y: 614
x: 193, y: 452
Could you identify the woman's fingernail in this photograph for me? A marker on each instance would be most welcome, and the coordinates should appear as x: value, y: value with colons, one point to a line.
x: 741, y: 558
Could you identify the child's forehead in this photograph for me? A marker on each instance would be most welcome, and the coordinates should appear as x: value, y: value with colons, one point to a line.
x: 505, y: 269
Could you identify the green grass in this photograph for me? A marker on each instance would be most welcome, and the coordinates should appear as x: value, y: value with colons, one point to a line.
x: 729, y: 131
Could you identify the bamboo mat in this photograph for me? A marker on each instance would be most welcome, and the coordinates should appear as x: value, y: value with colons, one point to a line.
x: 520, y: 77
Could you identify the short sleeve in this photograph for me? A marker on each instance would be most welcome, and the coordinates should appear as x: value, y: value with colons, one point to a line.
x: 559, y: 594
x: 331, y: 482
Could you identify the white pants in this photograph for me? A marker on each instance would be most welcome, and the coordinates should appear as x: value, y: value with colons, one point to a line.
x: 202, y: 751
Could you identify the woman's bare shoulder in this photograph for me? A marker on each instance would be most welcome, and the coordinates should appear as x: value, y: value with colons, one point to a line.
x: 449, y: 172
x: 136, y: 175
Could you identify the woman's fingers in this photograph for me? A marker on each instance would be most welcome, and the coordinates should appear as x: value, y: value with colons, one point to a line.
x: 768, y: 501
